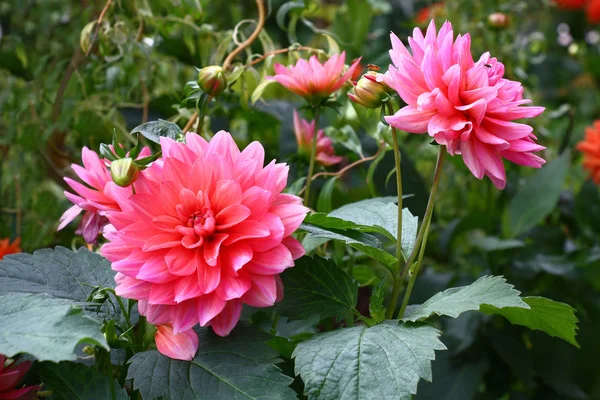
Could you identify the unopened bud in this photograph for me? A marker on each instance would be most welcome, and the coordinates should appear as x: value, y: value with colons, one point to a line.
x: 124, y: 171
x: 498, y: 20
x: 212, y: 80
x: 370, y: 92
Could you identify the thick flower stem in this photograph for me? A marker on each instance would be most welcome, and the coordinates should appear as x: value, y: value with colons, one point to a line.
x: 398, y: 280
x: 421, y: 241
x: 313, y: 156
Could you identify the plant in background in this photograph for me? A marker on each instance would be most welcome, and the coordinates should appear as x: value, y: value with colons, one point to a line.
x: 11, y: 374
x: 590, y: 147
x: 6, y: 247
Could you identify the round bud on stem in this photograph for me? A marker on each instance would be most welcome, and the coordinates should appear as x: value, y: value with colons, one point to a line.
x: 212, y: 80
x: 124, y: 171
x: 370, y: 92
x: 498, y: 20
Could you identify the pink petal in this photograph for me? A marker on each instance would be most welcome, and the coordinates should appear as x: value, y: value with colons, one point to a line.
x: 410, y: 119
x: 232, y: 215
x: 208, y: 307
x: 224, y: 323
x: 233, y: 287
x: 263, y: 292
x: 180, y: 346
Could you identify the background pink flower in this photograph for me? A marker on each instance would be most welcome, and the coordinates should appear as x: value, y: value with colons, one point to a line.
x: 207, y: 232
x: 465, y: 105
x: 312, y: 80
x: 96, y: 197
x: 10, y: 376
x: 304, y: 131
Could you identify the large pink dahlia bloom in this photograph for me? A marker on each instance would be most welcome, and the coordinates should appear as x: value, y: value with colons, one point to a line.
x: 207, y: 231
x: 465, y: 105
x: 312, y: 80
x: 304, y: 131
x: 95, y: 197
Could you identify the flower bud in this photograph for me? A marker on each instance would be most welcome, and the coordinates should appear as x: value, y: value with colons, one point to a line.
x: 369, y: 92
x: 498, y: 20
x: 124, y: 171
x: 212, y: 80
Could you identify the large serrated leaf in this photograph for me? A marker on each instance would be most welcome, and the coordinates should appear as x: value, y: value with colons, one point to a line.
x: 489, y: 290
x: 552, y: 317
x: 45, y: 327
x: 59, y: 272
x: 73, y: 381
x: 382, y: 362
x: 316, y: 286
x: 240, y: 366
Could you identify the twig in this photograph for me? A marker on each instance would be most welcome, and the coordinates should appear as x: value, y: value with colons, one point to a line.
x: 190, y: 123
x: 98, y: 22
x: 281, y: 51
x: 346, y: 168
x: 246, y: 43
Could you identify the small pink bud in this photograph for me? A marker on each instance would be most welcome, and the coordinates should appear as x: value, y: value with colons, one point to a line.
x: 498, y: 20
x: 370, y: 92
x: 124, y: 171
x: 212, y: 80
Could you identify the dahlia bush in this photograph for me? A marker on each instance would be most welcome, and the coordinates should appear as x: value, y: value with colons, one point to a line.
x: 275, y: 224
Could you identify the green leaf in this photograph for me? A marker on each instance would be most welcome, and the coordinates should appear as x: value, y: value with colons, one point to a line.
x: 258, y: 92
x: 492, y: 243
x: 552, y: 317
x: 284, y: 10
x: 45, y: 327
x: 537, y: 197
x: 59, y: 272
x: 381, y: 362
x: 376, y: 307
x: 361, y: 241
x: 154, y: 130
x: 239, y: 366
x: 347, y: 137
x: 324, y: 199
x: 316, y: 286
x: 489, y: 290
x: 74, y: 381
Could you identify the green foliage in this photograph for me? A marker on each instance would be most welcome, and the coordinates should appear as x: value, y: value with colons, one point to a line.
x: 156, y: 129
x: 316, y: 286
x: 72, y: 381
x: 537, y: 197
x: 489, y: 290
x: 45, y: 327
x: 386, y: 360
x: 552, y: 317
x: 240, y: 366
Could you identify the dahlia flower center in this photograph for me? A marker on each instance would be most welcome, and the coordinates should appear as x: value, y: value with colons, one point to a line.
x: 203, y: 222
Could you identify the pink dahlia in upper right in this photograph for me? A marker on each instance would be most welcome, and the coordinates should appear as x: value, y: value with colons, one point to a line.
x: 465, y: 105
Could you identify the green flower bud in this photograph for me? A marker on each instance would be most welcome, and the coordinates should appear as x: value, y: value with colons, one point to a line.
x: 212, y: 80
x: 124, y: 171
x: 369, y: 92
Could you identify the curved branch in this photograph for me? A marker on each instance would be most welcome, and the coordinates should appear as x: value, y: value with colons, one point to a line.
x: 246, y: 43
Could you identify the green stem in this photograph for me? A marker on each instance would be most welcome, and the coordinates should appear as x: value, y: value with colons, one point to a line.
x: 122, y: 307
x: 398, y: 281
x: 313, y: 157
x: 421, y: 241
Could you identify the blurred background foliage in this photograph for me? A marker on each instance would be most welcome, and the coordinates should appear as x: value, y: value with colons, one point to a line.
x: 542, y: 232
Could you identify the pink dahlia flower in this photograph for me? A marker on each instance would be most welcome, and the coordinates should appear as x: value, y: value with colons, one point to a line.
x: 315, y: 81
x: 208, y: 231
x: 96, y: 198
x: 465, y: 105
x: 180, y: 346
x: 304, y: 131
x: 10, y: 375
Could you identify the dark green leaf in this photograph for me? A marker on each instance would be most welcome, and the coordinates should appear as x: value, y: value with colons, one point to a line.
x: 71, y: 381
x: 154, y: 130
x: 239, y: 366
x: 381, y: 362
x: 537, y: 197
x: 489, y: 290
x: 45, y: 327
x: 376, y: 307
x: 364, y: 242
x: 316, y: 286
x: 552, y: 317
x: 324, y: 199
x: 59, y: 272
x: 346, y: 136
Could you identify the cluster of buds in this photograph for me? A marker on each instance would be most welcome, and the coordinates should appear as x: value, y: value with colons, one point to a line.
x: 212, y: 80
x: 370, y: 91
x: 126, y: 167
